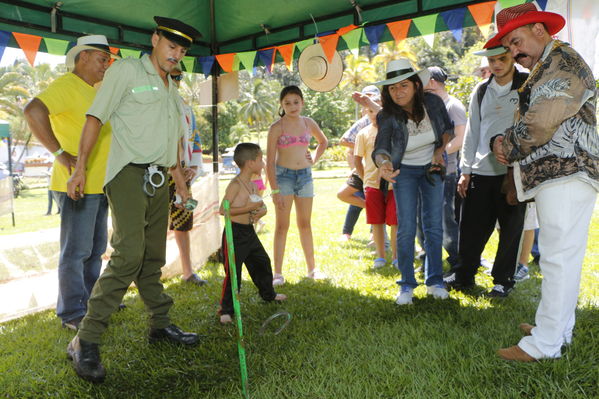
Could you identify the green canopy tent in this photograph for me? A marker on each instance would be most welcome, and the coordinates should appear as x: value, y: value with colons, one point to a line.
x: 227, y: 26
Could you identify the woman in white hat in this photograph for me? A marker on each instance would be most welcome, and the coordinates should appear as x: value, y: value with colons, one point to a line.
x: 414, y: 128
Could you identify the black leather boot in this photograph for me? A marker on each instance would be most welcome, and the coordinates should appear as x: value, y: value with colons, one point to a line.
x: 173, y: 334
x: 86, y: 360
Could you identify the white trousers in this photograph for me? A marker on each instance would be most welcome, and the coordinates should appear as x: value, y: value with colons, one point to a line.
x: 564, y: 211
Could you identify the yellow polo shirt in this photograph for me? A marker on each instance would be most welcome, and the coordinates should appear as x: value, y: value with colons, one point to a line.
x: 146, y: 115
x: 68, y: 98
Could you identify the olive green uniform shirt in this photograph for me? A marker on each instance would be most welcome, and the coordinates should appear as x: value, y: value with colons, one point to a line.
x: 145, y: 115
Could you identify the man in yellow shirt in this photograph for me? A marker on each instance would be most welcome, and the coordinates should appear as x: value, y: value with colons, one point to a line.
x: 56, y: 117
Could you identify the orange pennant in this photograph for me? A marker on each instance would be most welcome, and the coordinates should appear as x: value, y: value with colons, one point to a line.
x: 329, y: 45
x: 345, y: 29
x: 482, y: 14
x: 286, y: 51
x: 226, y: 61
x: 29, y: 44
x: 114, y: 50
x: 399, y: 30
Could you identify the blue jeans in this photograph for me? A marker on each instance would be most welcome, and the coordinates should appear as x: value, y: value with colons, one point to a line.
x: 410, y: 185
x: 352, y: 215
x: 450, y: 226
x: 83, y: 238
x: 296, y: 182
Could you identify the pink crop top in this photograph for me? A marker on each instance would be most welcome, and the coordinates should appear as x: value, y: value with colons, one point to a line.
x: 289, y: 140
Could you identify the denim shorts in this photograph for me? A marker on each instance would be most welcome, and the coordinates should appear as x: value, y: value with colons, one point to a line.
x: 296, y: 182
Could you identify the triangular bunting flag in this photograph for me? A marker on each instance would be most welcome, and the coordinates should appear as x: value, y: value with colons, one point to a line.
x: 267, y: 58
x: 126, y: 52
x: 226, y: 61
x: 114, y: 50
x: 56, y: 46
x: 329, y: 45
x: 426, y: 25
x: 189, y: 63
x: 236, y: 63
x: 454, y: 19
x: 373, y: 34
x: 482, y: 14
x: 287, y: 54
x: 542, y: 4
x: 4, y: 37
x: 352, y: 39
x: 510, y: 3
x: 345, y: 29
x: 247, y: 59
x: 304, y: 43
x: 29, y: 44
x: 399, y: 30
x: 206, y: 63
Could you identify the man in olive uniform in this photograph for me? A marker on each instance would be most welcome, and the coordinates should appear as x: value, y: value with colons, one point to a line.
x: 143, y: 106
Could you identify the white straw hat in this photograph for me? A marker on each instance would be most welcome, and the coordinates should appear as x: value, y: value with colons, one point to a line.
x: 91, y: 42
x: 316, y: 71
x: 401, y: 69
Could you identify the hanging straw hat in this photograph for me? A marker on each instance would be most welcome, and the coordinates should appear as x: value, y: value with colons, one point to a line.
x: 401, y: 69
x: 316, y: 71
x: 91, y: 42
x: 512, y: 18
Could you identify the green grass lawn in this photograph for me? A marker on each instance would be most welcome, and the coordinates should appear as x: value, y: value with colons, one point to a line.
x: 30, y: 213
x: 347, y: 338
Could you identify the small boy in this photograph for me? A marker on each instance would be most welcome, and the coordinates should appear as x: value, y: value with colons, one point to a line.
x: 246, y: 209
x: 380, y: 204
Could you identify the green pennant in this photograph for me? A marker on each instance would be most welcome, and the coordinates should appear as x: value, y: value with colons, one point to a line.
x: 189, y: 63
x: 56, y: 46
x: 427, y: 25
x: 510, y: 3
x: 353, y: 38
x: 303, y: 44
x: 247, y: 59
x: 125, y: 52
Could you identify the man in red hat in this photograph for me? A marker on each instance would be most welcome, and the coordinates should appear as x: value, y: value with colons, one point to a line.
x: 554, y: 148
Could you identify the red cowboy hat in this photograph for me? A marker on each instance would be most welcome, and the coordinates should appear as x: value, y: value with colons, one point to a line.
x: 514, y: 17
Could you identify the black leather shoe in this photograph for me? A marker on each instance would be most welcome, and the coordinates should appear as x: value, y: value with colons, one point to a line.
x: 173, y: 334
x: 86, y: 360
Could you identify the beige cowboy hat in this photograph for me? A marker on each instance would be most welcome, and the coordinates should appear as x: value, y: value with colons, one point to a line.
x: 316, y: 71
x: 91, y: 42
x: 401, y: 69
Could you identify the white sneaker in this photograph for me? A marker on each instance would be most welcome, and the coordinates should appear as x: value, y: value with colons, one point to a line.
x: 278, y: 279
x: 405, y: 296
x: 317, y: 275
x: 437, y: 292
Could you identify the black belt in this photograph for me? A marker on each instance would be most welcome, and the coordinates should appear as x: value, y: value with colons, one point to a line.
x: 147, y: 165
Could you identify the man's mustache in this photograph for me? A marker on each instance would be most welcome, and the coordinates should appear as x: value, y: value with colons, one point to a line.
x: 172, y: 60
x: 521, y: 55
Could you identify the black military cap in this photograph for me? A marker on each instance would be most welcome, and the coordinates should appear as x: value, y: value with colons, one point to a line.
x: 177, y: 31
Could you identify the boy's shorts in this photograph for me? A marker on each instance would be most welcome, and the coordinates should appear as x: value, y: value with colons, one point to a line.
x: 354, y: 181
x: 380, y: 210
x: 296, y: 182
x: 179, y: 219
x: 530, y: 220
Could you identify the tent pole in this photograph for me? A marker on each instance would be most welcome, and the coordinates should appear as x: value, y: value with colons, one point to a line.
x: 214, y: 90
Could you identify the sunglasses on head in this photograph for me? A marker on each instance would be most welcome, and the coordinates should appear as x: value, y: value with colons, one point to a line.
x: 177, y: 78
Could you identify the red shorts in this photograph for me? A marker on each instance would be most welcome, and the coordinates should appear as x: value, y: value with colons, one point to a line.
x: 380, y: 210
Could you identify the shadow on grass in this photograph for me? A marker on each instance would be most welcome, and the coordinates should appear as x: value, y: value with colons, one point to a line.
x: 341, y: 343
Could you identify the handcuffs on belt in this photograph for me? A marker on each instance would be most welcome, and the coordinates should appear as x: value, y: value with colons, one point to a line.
x: 149, y: 185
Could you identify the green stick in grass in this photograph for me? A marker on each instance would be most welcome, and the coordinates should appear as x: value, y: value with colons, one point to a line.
x: 233, y: 272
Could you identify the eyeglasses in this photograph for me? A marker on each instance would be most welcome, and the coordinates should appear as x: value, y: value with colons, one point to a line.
x: 177, y: 78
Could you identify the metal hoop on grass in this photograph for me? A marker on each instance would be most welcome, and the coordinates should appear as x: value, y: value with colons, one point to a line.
x: 282, y: 313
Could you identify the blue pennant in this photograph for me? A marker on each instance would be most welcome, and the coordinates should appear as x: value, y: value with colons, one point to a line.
x: 542, y: 4
x: 454, y: 19
x: 374, y: 33
x: 4, y: 37
x: 266, y: 58
x: 206, y: 63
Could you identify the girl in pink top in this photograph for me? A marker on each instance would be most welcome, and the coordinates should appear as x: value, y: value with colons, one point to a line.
x: 289, y: 170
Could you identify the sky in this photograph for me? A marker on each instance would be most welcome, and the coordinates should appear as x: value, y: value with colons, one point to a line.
x: 11, y: 54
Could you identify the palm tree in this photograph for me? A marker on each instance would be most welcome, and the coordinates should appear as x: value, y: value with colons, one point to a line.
x: 391, y: 51
x: 358, y: 72
x: 258, y: 105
